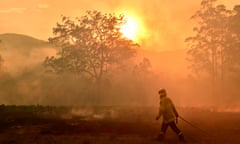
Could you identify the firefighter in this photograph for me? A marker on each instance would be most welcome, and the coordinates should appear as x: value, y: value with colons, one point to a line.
x: 169, y: 113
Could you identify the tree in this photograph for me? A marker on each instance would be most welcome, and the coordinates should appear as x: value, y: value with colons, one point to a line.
x: 215, y: 48
x: 207, y: 52
x: 91, y: 46
x: 143, y: 68
x: 207, y: 47
x: 233, y: 46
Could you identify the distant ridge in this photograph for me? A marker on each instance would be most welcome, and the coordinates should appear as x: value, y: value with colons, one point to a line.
x: 20, y: 42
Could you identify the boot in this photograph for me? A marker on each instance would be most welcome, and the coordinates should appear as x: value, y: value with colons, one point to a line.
x: 160, y: 137
x: 181, y: 137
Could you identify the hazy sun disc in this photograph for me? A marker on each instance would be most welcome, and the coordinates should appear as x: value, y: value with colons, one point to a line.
x: 132, y: 28
x: 129, y: 29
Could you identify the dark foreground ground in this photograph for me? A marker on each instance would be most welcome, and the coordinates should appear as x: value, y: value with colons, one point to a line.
x: 111, y: 125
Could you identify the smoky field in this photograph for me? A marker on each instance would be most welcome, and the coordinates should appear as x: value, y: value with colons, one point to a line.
x: 112, y: 125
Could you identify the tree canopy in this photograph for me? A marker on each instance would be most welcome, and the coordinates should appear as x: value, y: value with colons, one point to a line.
x: 214, y: 49
x: 91, y: 45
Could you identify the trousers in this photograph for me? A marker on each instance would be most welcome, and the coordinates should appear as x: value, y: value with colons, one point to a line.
x: 173, y: 126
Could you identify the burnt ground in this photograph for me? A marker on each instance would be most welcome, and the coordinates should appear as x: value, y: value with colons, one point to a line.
x: 111, y: 125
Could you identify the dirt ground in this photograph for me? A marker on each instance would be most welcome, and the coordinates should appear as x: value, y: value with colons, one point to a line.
x: 111, y: 125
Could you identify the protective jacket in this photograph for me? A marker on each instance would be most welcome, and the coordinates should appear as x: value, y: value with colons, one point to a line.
x: 167, y: 110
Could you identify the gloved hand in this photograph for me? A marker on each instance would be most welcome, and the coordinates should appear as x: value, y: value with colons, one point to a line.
x: 176, y: 121
x: 176, y: 114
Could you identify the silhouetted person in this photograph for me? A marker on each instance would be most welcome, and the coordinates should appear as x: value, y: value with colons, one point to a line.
x: 169, y: 113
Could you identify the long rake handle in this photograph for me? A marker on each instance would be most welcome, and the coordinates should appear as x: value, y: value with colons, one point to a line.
x: 194, y: 125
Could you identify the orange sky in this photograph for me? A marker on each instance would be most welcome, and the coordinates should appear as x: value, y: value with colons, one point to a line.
x: 167, y: 21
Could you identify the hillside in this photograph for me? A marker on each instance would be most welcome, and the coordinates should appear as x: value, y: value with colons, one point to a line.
x: 22, y: 52
x: 21, y: 43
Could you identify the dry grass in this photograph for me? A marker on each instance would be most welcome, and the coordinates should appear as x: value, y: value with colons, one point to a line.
x: 110, y: 125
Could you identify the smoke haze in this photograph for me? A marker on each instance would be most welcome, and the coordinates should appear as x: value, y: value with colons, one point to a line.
x: 168, y: 24
x: 164, y: 21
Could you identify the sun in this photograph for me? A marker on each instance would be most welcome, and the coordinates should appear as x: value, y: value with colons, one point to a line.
x: 132, y: 28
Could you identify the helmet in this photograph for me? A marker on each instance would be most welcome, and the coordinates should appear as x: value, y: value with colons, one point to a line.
x: 162, y: 92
